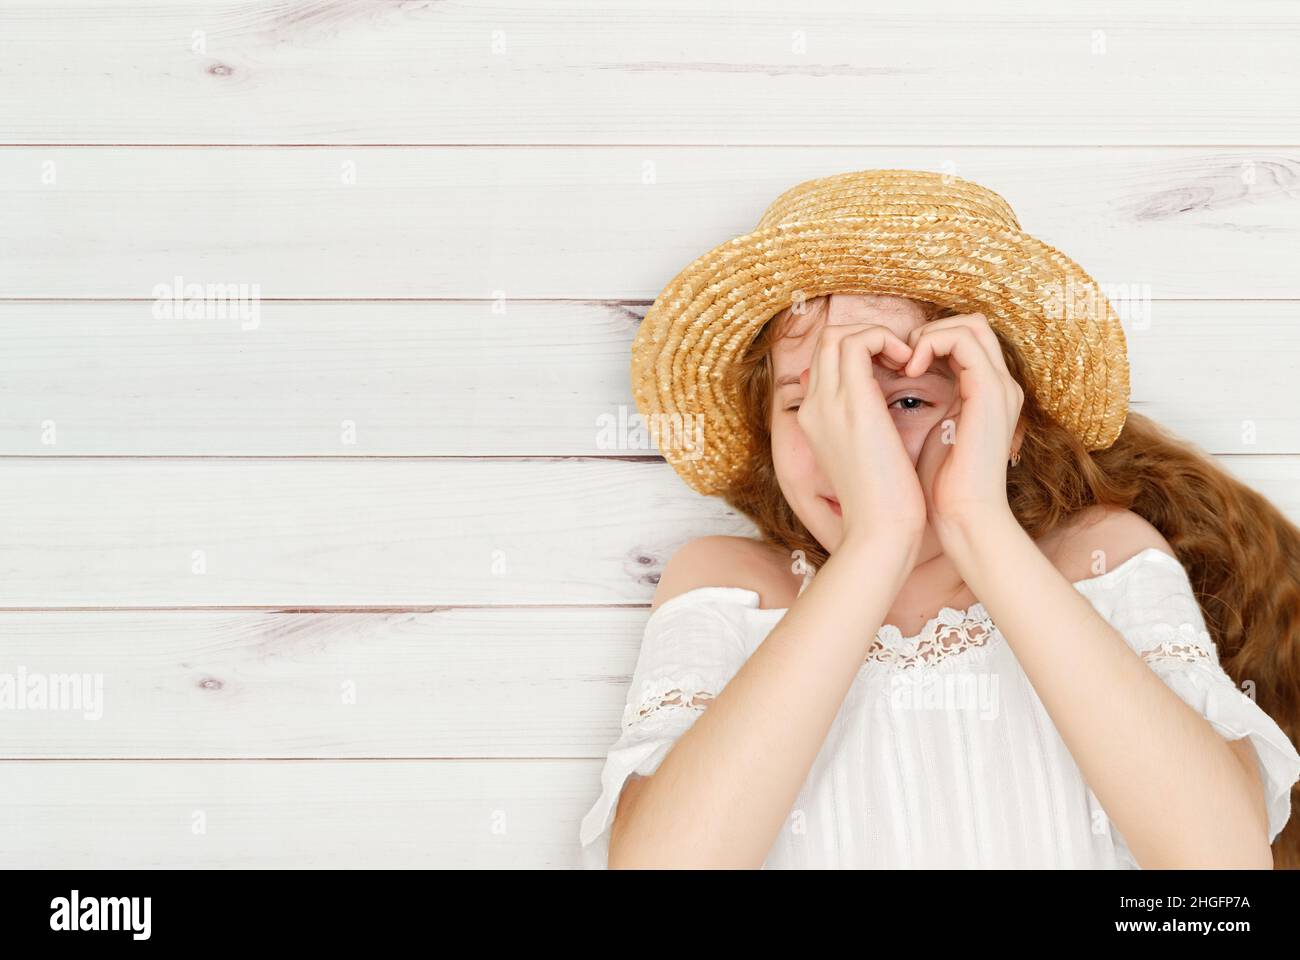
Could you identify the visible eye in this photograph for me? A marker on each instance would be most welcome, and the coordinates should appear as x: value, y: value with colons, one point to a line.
x: 792, y: 407
x: 922, y: 404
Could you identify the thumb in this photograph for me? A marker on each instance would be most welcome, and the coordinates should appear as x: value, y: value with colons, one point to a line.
x: 933, y: 452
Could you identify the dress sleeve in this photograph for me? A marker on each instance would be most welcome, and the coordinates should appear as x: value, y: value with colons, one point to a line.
x: 692, y: 646
x: 1150, y: 601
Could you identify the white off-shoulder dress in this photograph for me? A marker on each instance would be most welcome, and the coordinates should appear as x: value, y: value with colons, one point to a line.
x: 941, y: 754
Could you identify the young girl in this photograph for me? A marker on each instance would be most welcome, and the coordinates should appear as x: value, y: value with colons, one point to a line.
x: 1009, y: 654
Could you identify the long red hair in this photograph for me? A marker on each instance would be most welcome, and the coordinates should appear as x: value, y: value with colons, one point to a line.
x: 1241, y: 553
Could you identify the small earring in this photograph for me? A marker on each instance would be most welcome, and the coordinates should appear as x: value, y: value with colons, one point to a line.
x: 1015, y: 458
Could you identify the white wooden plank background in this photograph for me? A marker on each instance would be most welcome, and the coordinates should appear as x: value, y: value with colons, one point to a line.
x: 628, y: 71
x: 499, y: 682
x: 456, y: 215
x: 123, y: 532
x: 365, y: 532
x: 455, y: 378
x: 599, y: 223
x: 287, y: 814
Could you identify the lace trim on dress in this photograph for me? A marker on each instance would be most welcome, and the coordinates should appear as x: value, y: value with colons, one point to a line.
x: 1184, y: 642
x: 660, y: 698
x: 949, y: 633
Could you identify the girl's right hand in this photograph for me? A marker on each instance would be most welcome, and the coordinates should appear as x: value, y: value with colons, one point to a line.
x: 852, y: 436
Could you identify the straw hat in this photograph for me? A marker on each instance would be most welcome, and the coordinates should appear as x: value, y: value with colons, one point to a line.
x: 910, y: 233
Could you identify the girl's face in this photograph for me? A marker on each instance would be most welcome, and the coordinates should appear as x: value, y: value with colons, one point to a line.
x: 916, y: 405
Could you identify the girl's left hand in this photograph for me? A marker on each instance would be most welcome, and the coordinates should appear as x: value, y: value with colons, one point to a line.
x: 967, y: 480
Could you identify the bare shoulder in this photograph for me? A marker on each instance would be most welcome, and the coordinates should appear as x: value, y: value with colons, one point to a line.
x: 721, y: 561
x: 1111, y: 535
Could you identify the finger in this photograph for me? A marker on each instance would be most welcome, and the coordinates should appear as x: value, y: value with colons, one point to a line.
x: 933, y: 451
x: 823, y: 372
x: 971, y: 363
x: 975, y: 375
x: 879, y: 343
x: 979, y: 421
x: 976, y: 322
x: 978, y: 325
x: 828, y: 353
x: 957, y: 344
x: 872, y: 343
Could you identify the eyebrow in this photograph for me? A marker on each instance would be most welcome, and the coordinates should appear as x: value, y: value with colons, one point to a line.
x: 791, y: 379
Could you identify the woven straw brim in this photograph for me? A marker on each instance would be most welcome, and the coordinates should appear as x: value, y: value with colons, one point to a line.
x: 683, y: 355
